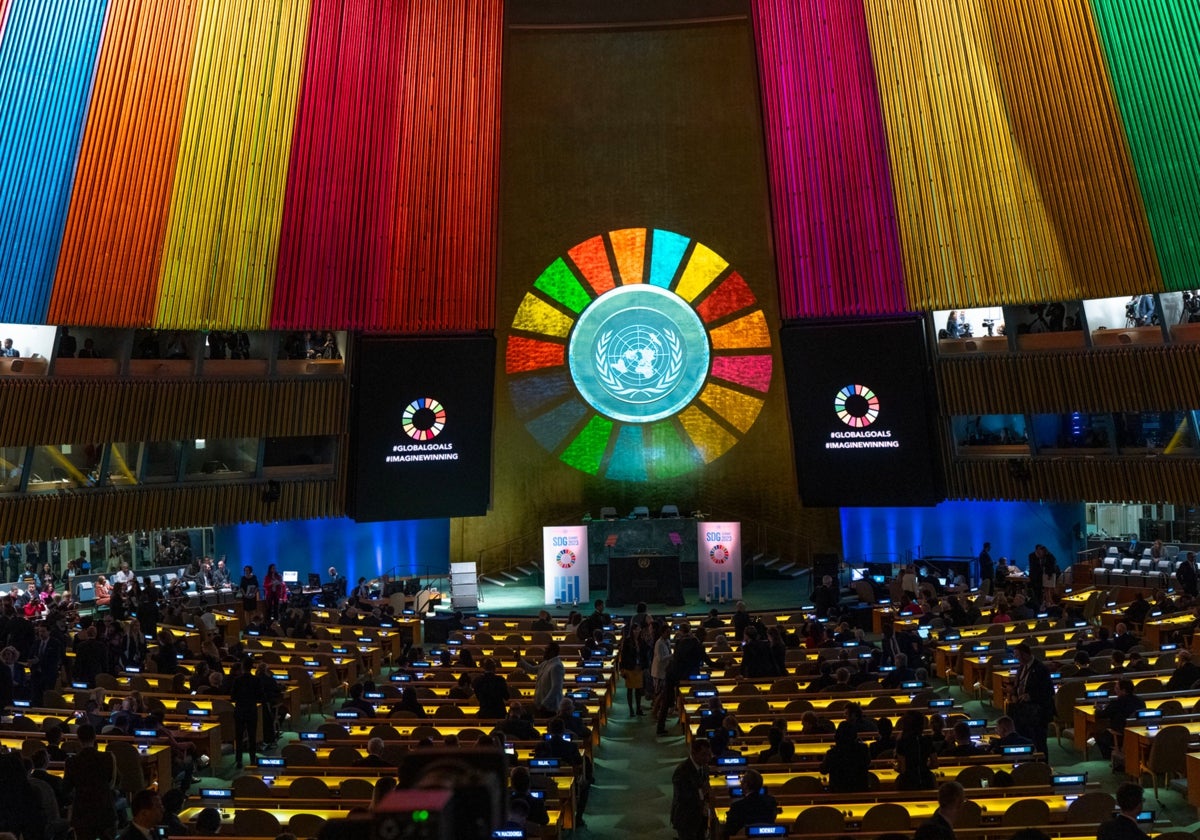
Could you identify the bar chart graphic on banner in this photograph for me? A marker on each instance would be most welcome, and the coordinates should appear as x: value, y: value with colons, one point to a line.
x: 720, y: 556
x: 565, y: 564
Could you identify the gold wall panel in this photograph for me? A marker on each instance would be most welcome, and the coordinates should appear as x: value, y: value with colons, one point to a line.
x: 54, y: 411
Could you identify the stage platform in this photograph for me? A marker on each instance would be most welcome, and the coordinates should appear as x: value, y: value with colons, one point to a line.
x: 527, y: 599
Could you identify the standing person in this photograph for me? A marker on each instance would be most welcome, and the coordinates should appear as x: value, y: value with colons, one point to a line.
x: 691, y: 798
x: 1049, y: 579
x: 274, y: 590
x: 915, y: 755
x: 688, y: 658
x: 91, y: 775
x: 1186, y: 574
x: 660, y: 659
x: 940, y: 826
x: 491, y: 690
x: 246, y: 695
x: 987, y: 570
x: 248, y: 586
x: 632, y: 670
x: 1032, y: 703
x: 1037, y: 568
x: 847, y: 762
x: 1124, y: 825
x: 548, y: 686
x: 46, y: 662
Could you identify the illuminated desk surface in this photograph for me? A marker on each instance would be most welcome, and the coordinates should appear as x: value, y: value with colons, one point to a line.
x: 156, y: 757
x: 1138, y: 739
x: 1085, y: 712
x: 921, y: 810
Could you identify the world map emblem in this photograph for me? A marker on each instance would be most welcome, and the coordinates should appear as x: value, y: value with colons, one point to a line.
x: 718, y: 554
x: 565, y: 558
x: 639, y: 354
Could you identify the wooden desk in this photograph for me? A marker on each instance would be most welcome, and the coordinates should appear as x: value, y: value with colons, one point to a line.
x: 1138, y: 740
x: 1085, y: 714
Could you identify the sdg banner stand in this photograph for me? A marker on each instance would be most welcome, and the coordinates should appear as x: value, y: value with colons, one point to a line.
x: 565, y: 564
x: 720, y: 556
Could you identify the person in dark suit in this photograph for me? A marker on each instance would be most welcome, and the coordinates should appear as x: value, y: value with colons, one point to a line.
x: 374, y: 756
x: 757, y: 660
x: 1032, y: 705
x: 1037, y: 567
x: 1124, y: 825
x: 1186, y: 672
x: 41, y: 760
x: 46, y: 663
x: 940, y: 826
x: 1007, y: 735
x: 847, y: 762
x: 520, y: 784
x: 247, y: 696
x: 1185, y: 573
x: 557, y: 744
x: 987, y: 569
x: 148, y: 812
x: 691, y: 798
x: 1116, y: 714
x: 756, y: 807
x: 90, y: 774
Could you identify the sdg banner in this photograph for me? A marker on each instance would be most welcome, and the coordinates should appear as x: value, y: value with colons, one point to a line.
x: 719, y: 546
x: 565, y: 563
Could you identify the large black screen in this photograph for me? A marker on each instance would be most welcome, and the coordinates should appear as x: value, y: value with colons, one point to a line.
x: 859, y: 397
x: 422, y: 427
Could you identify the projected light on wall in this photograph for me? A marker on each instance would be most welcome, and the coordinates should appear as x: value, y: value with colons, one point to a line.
x: 639, y: 355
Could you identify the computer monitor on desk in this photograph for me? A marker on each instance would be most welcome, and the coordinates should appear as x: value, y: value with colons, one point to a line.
x: 291, y: 578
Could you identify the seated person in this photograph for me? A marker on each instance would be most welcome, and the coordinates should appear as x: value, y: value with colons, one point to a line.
x: 520, y: 784
x: 103, y: 591
x: 756, y: 806
x: 544, y: 622
x: 517, y: 726
x: 1007, y: 735
x: 961, y: 743
x: 356, y: 701
x: 1186, y: 673
x: 813, y: 724
x: 374, y: 756
x: 779, y: 748
x: 1115, y: 715
x: 901, y: 674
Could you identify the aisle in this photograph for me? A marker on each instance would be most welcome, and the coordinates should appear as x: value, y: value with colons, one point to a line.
x: 632, y: 793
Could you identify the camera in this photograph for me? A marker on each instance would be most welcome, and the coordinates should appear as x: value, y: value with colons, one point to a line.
x: 988, y: 324
x: 443, y: 794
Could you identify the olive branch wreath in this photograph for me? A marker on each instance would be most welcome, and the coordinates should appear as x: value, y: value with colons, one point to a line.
x: 665, y: 383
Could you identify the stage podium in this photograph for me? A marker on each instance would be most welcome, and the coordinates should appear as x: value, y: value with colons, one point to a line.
x: 653, y: 578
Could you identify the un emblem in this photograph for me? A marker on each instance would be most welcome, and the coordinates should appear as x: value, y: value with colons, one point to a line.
x: 639, y: 354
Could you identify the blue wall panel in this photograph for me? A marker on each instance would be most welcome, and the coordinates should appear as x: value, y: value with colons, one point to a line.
x: 47, y: 64
x: 959, y: 529
x: 402, y: 549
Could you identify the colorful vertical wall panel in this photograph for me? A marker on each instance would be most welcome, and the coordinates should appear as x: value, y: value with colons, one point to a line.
x: 1153, y: 52
x: 1010, y: 172
x: 836, y: 243
x: 390, y: 219
x: 118, y: 214
x: 334, y: 245
x: 47, y: 54
x: 221, y: 249
x: 444, y: 246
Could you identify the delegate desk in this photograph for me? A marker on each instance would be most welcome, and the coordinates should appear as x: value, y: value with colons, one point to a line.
x: 920, y: 806
x: 1139, y: 739
x: 1085, y: 712
x: 155, y: 758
